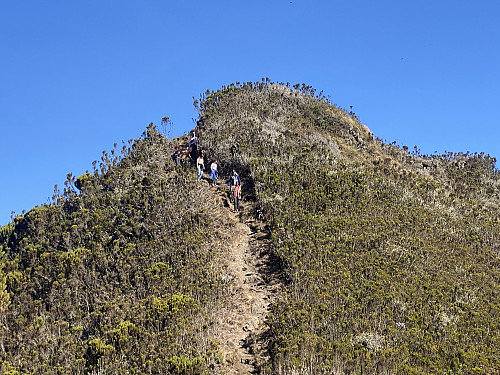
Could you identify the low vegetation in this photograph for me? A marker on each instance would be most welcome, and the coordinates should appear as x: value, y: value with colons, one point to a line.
x: 389, y: 259
x: 119, y: 278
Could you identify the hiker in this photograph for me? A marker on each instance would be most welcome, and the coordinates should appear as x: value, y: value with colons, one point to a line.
x: 193, y: 143
x: 176, y: 157
x: 235, y: 187
x: 200, y: 166
x: 237, y: 197
x: 214, y: 173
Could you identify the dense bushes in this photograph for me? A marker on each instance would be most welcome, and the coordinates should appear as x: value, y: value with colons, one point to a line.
x: 120, y: 277
x: 390, y: 259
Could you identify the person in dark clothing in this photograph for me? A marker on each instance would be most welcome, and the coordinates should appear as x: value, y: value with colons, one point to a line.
x: 193, y: 141
x: 193, y: 144
x: 237, y: 197
x: 176, y: 157
x: 234, y: 180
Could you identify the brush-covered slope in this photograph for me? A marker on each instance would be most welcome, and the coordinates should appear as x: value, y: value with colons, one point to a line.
x: 122, y: 278
x: 390, y: 259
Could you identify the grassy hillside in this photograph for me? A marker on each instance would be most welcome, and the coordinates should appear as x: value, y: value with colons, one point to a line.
x: 389, y: 259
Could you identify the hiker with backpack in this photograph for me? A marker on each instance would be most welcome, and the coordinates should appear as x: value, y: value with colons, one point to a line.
x: 214, y: 173
x: 193, y: 145
x: 235, y: 188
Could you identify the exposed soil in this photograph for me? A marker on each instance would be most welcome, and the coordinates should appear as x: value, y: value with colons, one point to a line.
x: 252, y: 290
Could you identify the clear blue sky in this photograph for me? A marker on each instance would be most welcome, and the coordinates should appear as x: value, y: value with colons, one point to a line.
x: 78, y: 76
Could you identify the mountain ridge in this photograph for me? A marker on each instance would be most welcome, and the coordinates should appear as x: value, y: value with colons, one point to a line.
x: 387, y: 260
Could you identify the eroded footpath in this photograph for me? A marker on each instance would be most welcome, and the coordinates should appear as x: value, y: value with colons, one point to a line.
x: 252, y: 289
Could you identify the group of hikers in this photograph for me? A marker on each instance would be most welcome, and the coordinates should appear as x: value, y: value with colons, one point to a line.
x: 234, y: 183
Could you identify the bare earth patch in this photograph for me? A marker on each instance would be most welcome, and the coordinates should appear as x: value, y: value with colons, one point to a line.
x: 252, y: 288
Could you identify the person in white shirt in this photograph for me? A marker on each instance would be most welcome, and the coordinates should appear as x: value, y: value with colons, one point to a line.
x: 214, y: 173
x: 200, y: 166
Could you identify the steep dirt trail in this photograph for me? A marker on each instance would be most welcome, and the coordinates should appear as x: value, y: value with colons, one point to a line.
x: 252, y: 290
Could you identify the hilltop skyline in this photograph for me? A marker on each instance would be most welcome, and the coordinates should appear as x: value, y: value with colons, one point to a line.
x: 77, y: 78
x: 344, y: 255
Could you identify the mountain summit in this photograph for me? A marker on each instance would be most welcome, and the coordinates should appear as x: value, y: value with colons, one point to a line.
x: 348, y: 255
